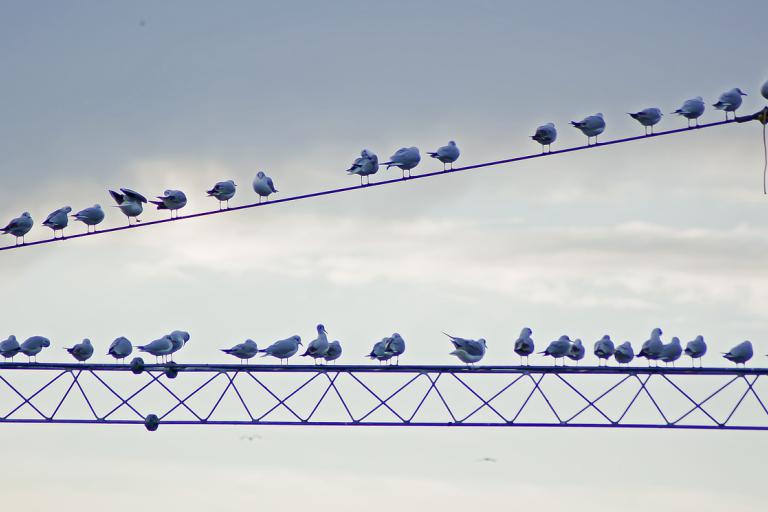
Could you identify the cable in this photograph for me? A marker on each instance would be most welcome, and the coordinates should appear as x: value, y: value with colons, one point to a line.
x: 367, y: 186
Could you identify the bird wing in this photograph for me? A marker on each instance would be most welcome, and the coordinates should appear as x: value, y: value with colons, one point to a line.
x: 271, y: 185
x: 133, y: 195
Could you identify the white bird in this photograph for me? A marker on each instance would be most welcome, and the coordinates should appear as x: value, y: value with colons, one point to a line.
x: 171, y: 200
x: 243, y: 351
x: 33, y: 346
x: 58, y: 220
x: 365, y: 165
x: 120, y: 348
x: 317, y: 348
x: 223, y: 191
x: 648, y: 117
x: 730, y: 101
x: 576, y: 351
x: 691, y: 109
x: 9, y: 347
x: 545, y: 135
x: 672, y: 351
x: 695, y: 349
x: 558, y: 348
x: 624, y: 353
x: 740, y: 354
x: 447, y: 154
x: 524, y: 346
x: 129, y: 202
x: 178, y: 340
x: 395, y: 346
x: 263, y: 185
x: 81, y: 351
x: 604, y: 349
x: 19, y: 227
x: 160, y: 347
x: 651, y: 349
x: 467, y: 350
x: 333, y: 352
x: 591, y: 126
x: 404, y: 158
x: 379, y: 351
x: 283, y: 349
x: 90, y: 217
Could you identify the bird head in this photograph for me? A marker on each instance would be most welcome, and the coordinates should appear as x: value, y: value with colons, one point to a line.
x: 321, y: 329
x: 657, y: 332
x: 260, y: 174
x: 525, y: 332
x: 742, y: 93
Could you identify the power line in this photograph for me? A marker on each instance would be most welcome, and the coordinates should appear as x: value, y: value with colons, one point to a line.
x: 367, y: 186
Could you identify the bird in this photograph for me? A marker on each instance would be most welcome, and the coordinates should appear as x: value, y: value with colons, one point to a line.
x: 317, y: 348
x: 395, y: 346
x: 524, y: 346
x: 178, y: 340
x: 263, y: 185
x: 604, y: 349
x: 223, y: 191
x: 81, y: 351
x: 447, y: 154
x: 58, y: 220
x: 651, y: 349
x: 120, y: 348
x: 90, y: 217
x: 545, y: 135
x: 243, y: 351
x: 591, y: 126
x: 576, y: 351
x: 467, y: 350
x: 671, y: 351
x: 647, y: 117
x: 9, y: 347
x: 129, y: 202
x: 740, y: 354
x: 333, y: 352
x: 404, y: 158
x: 379, y: 351
x: 764, y: 90
x: 19, y: 227
x: 33, y: 346
x: 730, y: 101
x: 283, y: 349
x: 695, y: 349
x: 558, y: 348
x: 691, y: 110
x: 160, y: 347
x: 365, y: 165
x: 171, y: 200
x: 624, y: 353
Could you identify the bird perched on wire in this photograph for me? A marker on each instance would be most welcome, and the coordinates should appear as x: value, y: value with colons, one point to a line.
x: 741, y: 353
x: 604, y: 349
x: 692, y: 110
x: 131, y: 203
x: 223, y: 191
x: 671, y: 351
x: 171, y: 200
x: 120, y: 348
x: 33, y: 346
x: 333, y: 352
x: 160, y: 348
x: 447, y: 154
x: 317, y: 348
x: 282, y: 349
x: 58, y: 220
x: 695, y: 349
x: 467, y: 350
x: 395, y: 346
x: 263, y: 185
x: 651, y: 349
x: 591, y: 126
x: 19, y: 227
x: 365, y: 165
x: 178, y: 340
x: 730, y: 101
x: 545, y: 135
x: 624, y: 354
x: 81, y: 351
x: 243, y: 351
x: 558, y: 348
x: 90, y: 217
x: 9, y: 347
x: 405, y: 159
x: 524, y: 345
x: 576, y: 352
x: 648, y: 117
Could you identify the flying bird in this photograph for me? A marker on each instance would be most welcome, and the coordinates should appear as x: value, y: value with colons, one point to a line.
x: 223, y: 191
x: 120, y: 348
x: 58, y: 220
x: 130, y: 203
x: 90, y: 217
x: 171, y: 200
x: 695, y: 349
x: 263, y: 185
x: 692, y: 109
x: 365, y: 165
x: 317, y: 348
x: 19, y: 227
x: 81, y: 351
x: 243, y: 351
x: 467, y: 350
x: 648, y: 117
x: 604, y: 349
x: 591, y: 126
x: 730, y: 101
x: 282, y: 349
x: 405, y: 159
x: 524, y: 346
x: 740, y: 354
x: 447, y: 154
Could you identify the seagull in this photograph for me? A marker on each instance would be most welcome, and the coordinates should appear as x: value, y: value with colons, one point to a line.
x: 282, y: 349
x: 404, y: 158
x: 576, y: 351
x: 647, y: 117
x: 317, y: 348
x: 691, y: 109
x: 90, y: 217
x: 365, y: 165
x: 545, y: 135
x: 171, y: 200
x: 730, y: 101
x: 447, y: 154
x: 82, y: 351
x: 333, y: 352
x: 178, y: 340
x: 671, y: 351
x: 558, y: 348
x: 604, y: 349
x: 740, y: 354
x: 624, y: 353
x: 652, y: 347
x: 129, y: 202
x: 379, y: 351
x: 223, y: 191
x: 591, y: 126
x: 33, y: 346
x: 468, y: 351
x: 9, y: 347
x: 160, y: 347
x: 695, y: 349
x: 120, y: 348
x: 263, y: 185
x: 58, y: 220
x: 524, y: 346
x: 242, y: 351
x: 19, y: 227
x: 395, y: 346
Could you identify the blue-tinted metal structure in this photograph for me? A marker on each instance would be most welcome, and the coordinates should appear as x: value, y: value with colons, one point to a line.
x: 370, y: 395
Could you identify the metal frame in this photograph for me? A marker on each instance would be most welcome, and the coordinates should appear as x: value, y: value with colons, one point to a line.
x: 487, y: 396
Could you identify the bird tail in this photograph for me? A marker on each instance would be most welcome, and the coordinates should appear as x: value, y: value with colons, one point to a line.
x: 226, y: 350
x: 719, y: 105
x: 160, y: 205
x: 433, y: 155
x: 633, y: 116
x: 577, y: 124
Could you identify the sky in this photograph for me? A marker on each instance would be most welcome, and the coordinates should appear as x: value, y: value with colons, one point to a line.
x: 667, y: 232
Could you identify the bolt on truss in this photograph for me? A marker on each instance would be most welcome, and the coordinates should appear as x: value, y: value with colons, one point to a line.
x: 447, y: 396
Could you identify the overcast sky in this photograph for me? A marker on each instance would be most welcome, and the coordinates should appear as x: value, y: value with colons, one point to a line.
x: 668, y: 232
